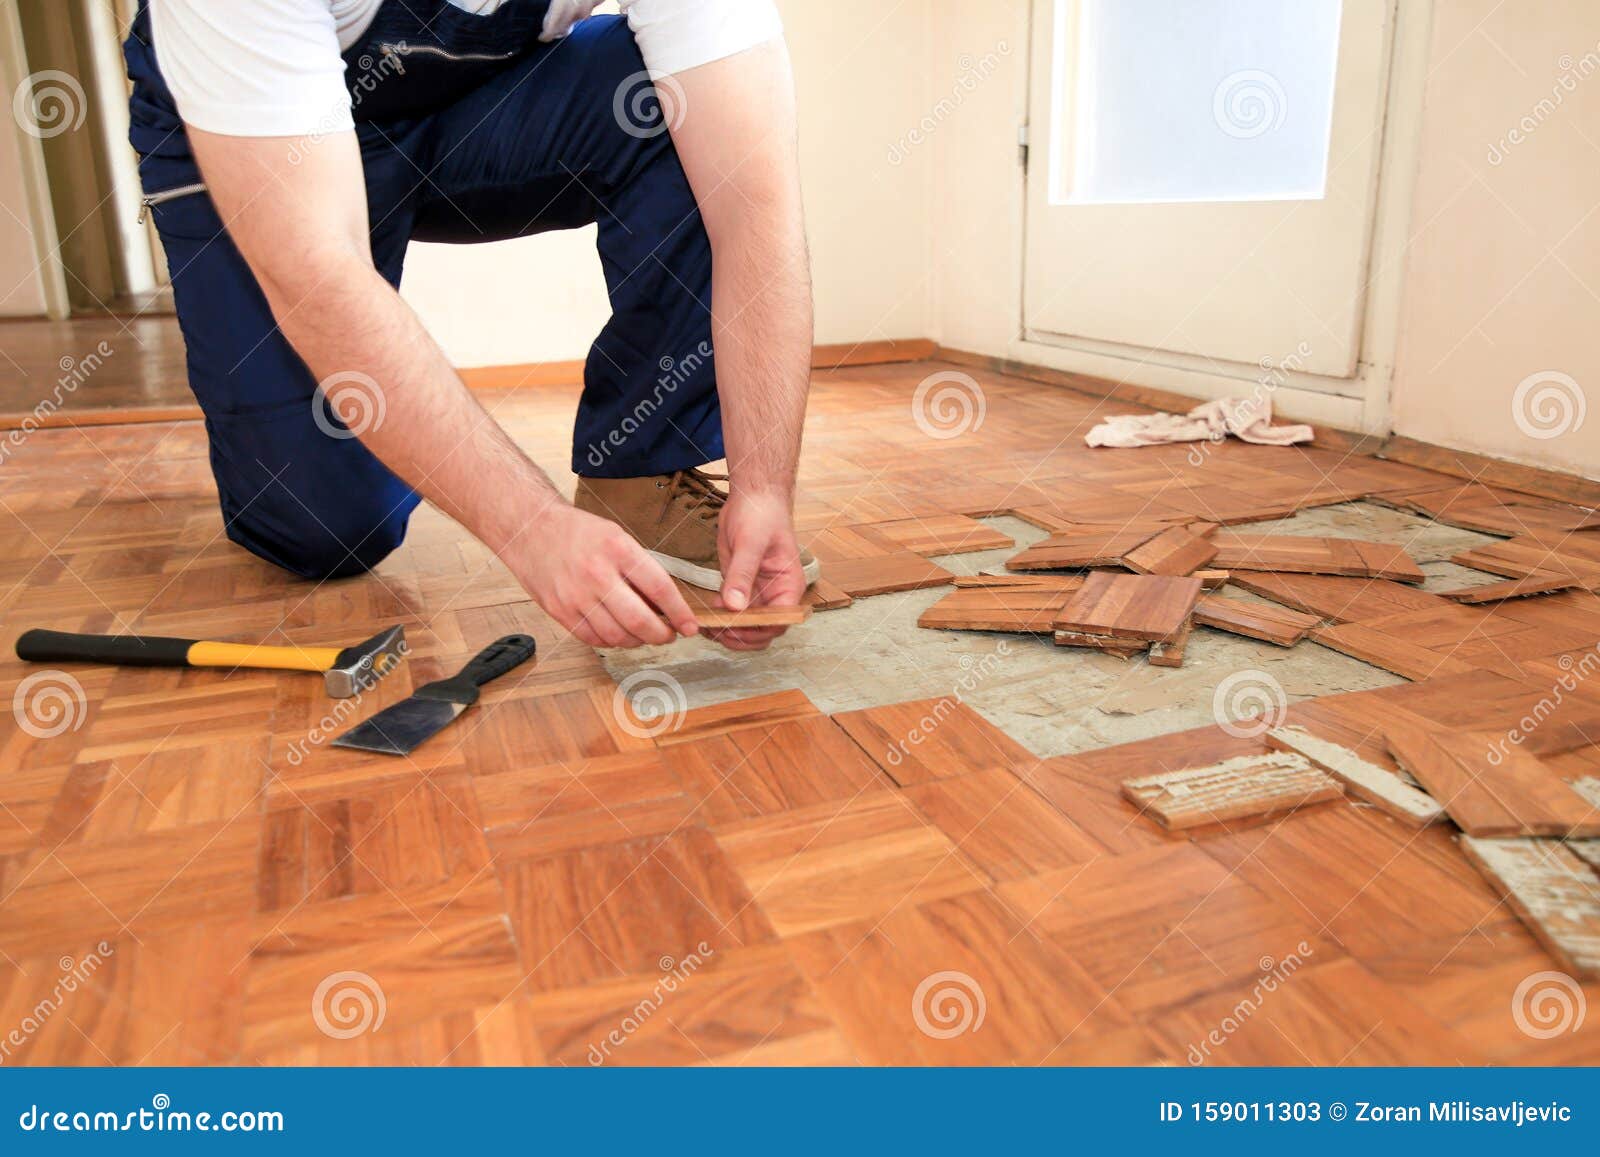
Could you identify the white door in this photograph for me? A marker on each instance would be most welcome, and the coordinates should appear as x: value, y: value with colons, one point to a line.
x: 1203, y: 176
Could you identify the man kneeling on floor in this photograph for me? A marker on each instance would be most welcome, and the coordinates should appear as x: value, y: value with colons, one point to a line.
x: 289, y: 151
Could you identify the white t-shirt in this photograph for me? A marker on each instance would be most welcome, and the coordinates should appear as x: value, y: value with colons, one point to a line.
x: 271, y: 68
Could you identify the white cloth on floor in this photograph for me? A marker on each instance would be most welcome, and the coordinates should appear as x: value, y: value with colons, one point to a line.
x: 1249, y: 419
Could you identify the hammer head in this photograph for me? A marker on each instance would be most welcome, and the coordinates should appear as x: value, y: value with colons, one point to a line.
x: 359, y: 667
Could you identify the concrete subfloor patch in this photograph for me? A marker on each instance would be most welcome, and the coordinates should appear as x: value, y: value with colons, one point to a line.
x: 1054, y: 700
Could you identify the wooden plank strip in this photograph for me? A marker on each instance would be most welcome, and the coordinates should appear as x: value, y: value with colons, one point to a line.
x: 1332, y: 556
x: 941, y: 534
x: 1388, y: 652
x: 903, y: 571
x: 1028, y: 610
x: 1382, y: 788
x: 1553, y: 892
x: 1248, y: 785
x: 1172, y: 552
x: 1344, y: 600
x: 1144, y: 607
x: 720, y: 618
x: 1035, y: 579
x: 1077, y: 551
x: 1270, y: 624
x: 1516, y: 794
x: 1122, y: 648
x: 1512, y: 589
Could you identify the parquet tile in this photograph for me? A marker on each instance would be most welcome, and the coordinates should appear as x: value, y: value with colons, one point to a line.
x: 1262, y: 621
x: 844, y: 861
x: 1305, y: 555
x: 1138, y: 607
x: 1172, y: 552
x: 1023, y: 609
x: 931, y: 739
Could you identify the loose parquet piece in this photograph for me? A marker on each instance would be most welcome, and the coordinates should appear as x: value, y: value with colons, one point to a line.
x: 823, y: 595
x: 901, y: 571
x: 1587, y: 850
x: 1153, y: 608
x: 1122, y: 648
x: 1172, y: 552
x: 1036, y: 579
x: 1344, y: 600
x: 1211, y: 579
x: 1514, y: 795
x: 927, y: 739
x: 1029, y: 610
x: 1528, y: 555
x: 1169, y: 653
x: 1388, y: 651
x: 1512, y: 589
x: 941, y: 534
x: 1554, y: 893
x: 1382, y: 788
x: 718, y: 618
x: 1330, y: 556
x: 1250, y: 785
x: 1270, y: 624
x: 1077, y: 551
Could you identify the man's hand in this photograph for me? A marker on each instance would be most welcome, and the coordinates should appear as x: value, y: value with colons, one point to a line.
x: 760, y: 563
x: 596, y: 581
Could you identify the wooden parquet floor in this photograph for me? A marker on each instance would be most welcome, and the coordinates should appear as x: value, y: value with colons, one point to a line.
x: 566, y: 878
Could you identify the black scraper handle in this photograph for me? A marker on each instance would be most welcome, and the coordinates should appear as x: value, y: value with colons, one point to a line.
x: 493, y: 661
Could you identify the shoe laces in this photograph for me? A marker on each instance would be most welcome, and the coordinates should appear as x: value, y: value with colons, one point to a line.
x: 697, y: 491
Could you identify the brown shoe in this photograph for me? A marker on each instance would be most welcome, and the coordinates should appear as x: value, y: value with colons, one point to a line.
x: 674, y: 517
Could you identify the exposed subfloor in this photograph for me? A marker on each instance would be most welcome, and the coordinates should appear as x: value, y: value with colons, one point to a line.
x: 1056, y: 700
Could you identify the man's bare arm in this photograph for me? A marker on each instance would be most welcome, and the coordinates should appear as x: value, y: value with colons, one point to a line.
x: 303, y: 230
x: 735, y: 135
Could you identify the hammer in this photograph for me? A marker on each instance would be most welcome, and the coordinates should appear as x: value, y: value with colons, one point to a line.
x: 344, y: 671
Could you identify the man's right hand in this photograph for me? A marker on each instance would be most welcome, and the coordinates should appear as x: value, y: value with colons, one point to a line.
x: 594, y: 579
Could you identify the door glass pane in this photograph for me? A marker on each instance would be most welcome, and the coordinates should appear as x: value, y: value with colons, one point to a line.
x: 1192, y: 100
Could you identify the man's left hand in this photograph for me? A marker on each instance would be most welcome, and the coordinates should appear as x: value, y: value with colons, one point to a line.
x: 760, y: 563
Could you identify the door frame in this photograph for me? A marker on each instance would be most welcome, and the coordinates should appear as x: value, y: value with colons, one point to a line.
x: 1360, y: 402
x: 40, y: 212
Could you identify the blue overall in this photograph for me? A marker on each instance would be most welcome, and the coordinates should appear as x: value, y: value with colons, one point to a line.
x: 470, y: 130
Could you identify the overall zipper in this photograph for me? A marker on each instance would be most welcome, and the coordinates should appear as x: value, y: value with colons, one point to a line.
x: 152, y: 200
x: 395, y: 51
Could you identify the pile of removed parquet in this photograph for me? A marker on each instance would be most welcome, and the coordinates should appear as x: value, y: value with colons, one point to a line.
x: 1501, y: 723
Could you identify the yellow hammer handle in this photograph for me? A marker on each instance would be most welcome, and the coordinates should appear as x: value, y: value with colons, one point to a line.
x: 272, y: 658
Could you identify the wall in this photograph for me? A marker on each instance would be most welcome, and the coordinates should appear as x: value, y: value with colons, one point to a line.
x: 1503, y: 276
x: 862, y: 81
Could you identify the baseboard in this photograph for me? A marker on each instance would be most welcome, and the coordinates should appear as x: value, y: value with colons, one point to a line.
x: 1493, y: 471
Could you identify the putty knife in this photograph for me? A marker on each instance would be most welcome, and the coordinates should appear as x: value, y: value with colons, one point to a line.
x: 397, y: 730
